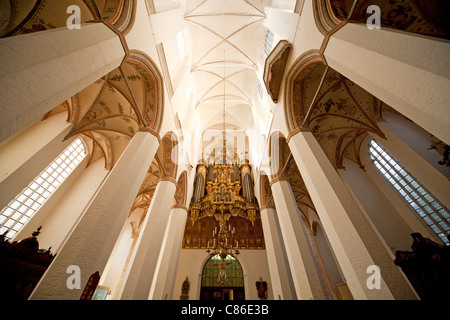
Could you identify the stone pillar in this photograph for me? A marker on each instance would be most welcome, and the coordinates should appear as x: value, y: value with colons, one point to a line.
x: 281, y: 279
x: 41, y: 70
x: 167, y: 266
x: 92, y: 240
x: 408, y: 72
x: 352, y: 236
x: 304, y: 273
x: 143, y: 262
x: 24, y: 156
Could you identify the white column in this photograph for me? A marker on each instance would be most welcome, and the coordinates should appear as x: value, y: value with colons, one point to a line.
x: 41, y: 70
x: 352, y: 236
x: 92, y: 240
x: 24, y: 156
x: 426, y: 173
x: 280, y: 276
x: 304, y: 273
x: 167, y: 266
x: 408, y: 72
x: 139, y: 276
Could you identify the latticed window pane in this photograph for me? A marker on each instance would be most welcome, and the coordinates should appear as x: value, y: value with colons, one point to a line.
x: 26, y: 203
x: 232, y: 267
x: 424, y: 203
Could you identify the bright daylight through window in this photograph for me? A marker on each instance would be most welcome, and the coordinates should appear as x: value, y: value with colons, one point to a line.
x: 425, y: 204
x: 25, y: 204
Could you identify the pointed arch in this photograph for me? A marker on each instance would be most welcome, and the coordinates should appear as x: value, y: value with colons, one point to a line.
x: 293, y: 115
x: 265, y: 192
x: 167, y: 156
x: 416, y: 16
x: 279, y: 153
x: 336, y: 110
x: 22, y: 17
x: 152, y: 109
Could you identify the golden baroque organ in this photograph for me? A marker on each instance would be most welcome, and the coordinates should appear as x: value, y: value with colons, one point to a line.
x: 223, y: 191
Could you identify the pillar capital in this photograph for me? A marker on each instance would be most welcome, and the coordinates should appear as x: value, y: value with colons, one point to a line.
x: 168, y: 179
x: 295, y: 131
x: 277, y: 179
x: 180, y: 207
x: 151, y: 131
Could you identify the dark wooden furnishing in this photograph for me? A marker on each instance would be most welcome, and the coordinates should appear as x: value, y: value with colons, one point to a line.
x: 22, y: 265
x: 427, y: 267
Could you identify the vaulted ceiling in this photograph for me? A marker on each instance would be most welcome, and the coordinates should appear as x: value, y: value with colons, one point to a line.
x: 227, y: 38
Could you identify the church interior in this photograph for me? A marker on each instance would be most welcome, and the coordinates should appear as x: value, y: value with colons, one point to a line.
x: 224, y: 149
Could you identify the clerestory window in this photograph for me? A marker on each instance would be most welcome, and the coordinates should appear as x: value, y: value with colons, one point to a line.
x: 14, y: 216
x: 424, y: 203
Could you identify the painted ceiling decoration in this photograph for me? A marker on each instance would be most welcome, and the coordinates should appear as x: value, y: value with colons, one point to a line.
x: 147, y: 189
x: 427, y: 17
x: 298, y: 186
x: 166, y: 154
x: 180, y: 198
x: 110, y: 111
x: 27, y: 16
x: 337, y: 111
x: 266, y: 192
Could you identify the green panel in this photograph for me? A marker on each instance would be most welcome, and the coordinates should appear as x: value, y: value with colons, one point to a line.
x: 232, y: 267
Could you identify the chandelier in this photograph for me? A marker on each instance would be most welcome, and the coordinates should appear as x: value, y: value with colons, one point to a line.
x: 223, y: 240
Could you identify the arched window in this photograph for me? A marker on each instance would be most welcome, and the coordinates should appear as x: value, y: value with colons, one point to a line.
x: 222, y: 279
x: 424, y: 203
x: 232, y: 267
x: 25, y: 204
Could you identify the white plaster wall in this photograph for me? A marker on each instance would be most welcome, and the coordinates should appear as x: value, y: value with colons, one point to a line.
x: 253, y: 262
x: 382, y: 213
x: 415, y: 137
x: 387, y: 210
